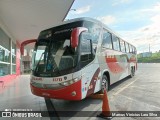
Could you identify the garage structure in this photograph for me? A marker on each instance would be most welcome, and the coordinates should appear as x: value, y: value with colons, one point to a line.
x: 22, y: 20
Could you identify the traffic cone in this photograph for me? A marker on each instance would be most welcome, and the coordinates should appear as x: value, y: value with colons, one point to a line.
x: 105, y: 107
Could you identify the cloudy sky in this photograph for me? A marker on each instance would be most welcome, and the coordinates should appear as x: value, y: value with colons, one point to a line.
x: 137, y: 21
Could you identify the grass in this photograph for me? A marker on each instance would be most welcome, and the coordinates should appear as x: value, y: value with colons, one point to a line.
x: 155, y: 58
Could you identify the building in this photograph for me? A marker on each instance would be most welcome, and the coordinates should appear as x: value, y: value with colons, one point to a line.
x: 22, y: 21
x: 146, y: 54
x: 9, y: 54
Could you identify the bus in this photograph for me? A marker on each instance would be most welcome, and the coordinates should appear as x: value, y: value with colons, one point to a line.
x: 78, y: 58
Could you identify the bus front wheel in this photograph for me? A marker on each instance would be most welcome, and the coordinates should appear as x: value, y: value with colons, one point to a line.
x: 105, y: 85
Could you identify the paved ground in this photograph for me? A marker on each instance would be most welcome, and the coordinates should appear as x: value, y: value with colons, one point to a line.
x: 141, y: 93
x: 17, y: 95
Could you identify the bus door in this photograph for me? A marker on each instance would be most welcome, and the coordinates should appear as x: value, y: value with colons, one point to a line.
x: 90, y: 70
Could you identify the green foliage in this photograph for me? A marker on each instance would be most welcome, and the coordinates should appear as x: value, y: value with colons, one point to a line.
x: 155, y: 58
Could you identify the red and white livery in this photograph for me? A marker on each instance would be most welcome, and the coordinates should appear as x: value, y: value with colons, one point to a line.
x: 79, y: 58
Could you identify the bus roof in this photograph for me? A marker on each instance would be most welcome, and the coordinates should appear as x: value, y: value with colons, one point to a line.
x: 91, y: 20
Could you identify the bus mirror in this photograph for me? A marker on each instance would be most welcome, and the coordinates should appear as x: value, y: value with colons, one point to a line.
x: 75, y: 36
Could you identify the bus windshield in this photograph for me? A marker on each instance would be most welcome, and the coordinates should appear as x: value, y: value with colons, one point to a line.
x: 53, y: 56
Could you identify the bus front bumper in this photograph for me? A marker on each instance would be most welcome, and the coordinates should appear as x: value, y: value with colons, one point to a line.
x: 71, y: 92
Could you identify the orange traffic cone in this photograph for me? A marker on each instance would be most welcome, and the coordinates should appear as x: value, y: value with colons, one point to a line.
x: 105, y: 107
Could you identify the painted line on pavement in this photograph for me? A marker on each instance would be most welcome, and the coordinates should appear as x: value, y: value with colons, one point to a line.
x: 123, y: 88
x: 141, y: 102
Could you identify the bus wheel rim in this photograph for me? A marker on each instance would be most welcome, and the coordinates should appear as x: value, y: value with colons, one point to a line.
x: 104, y: 84
x: 132, y: 72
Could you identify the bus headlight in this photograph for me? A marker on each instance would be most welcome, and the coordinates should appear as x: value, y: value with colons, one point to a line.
x: 67, y: 83
x: 76, y: 79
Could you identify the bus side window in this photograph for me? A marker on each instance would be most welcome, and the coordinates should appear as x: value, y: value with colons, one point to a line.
x: 107, y: 40
x: 122, y: 46
x: 130, y: 46
x: 134, y: 50
x: 127, y: 47
x: 115, y: 41
x: 85, y: 50
x: 93, y: 28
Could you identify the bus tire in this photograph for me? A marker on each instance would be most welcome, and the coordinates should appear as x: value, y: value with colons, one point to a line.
x: 105, y: 84
x: 132, y: 72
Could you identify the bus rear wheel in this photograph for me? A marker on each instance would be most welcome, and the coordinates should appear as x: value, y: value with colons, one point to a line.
x: 105, y: 85
x: 132, y: 72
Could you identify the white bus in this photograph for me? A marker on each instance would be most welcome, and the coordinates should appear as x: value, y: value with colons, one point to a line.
x: 79, y: 58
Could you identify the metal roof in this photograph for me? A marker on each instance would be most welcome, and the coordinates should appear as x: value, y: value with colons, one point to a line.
x: 26, y: 18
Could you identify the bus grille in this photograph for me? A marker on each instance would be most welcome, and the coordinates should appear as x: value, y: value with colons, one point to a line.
x: 47, y: 86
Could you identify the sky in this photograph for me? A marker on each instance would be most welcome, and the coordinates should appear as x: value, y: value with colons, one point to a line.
x: 136, y: 21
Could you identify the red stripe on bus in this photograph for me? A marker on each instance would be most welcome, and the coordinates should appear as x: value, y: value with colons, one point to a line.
x: 93, y: 83
x: 113, y: 65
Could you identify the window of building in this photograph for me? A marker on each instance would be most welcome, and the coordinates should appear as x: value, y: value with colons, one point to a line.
x: 115, y: 41
x: 13, y: 48
x: 5, y: 40
x: 13, y: 53
x: 13, y: 69
x: 4, y: 69
x: 107, y: 40
x: 4, y: 54
x: 13, y: 59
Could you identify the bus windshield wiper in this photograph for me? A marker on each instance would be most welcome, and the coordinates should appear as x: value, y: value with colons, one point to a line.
x: 39, y: 61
